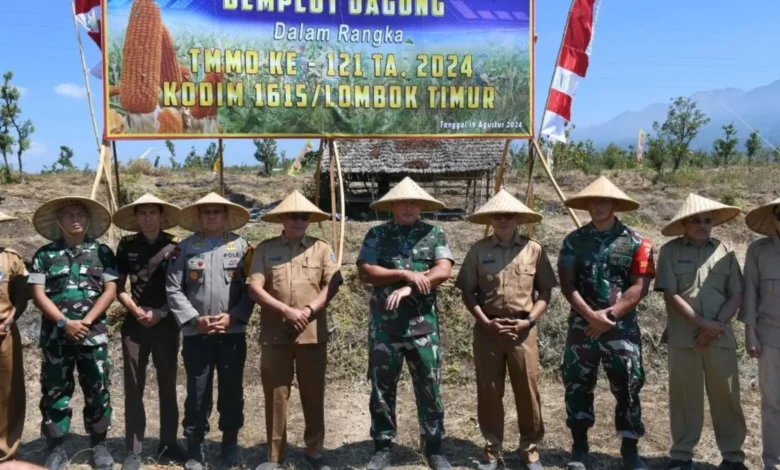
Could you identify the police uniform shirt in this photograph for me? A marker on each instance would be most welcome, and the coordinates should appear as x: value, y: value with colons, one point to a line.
x: 145, y: 263
x: 294, y: 273
x: 505, y: 274
x: 206, y: 277
x: 705, y: 277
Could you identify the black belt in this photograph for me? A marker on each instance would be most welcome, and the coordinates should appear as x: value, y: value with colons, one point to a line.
x: 516, y: 316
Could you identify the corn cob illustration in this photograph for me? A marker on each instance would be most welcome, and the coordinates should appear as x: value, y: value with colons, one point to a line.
x: 201, y: 112
x: 141, y: 63
x: 170, y: 121
x: 169, y: 65
x: 116, y: 122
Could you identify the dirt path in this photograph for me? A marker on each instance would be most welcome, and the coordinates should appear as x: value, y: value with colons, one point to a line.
x: 348, y: 424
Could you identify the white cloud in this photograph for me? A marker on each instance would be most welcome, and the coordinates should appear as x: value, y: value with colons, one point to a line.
x: 71, y: 90
x: 36, y: 148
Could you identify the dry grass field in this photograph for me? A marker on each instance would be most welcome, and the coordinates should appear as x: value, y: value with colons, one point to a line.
x: 347, y: 417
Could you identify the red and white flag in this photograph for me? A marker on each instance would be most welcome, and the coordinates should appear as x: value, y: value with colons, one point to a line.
x: 571, y: 67
x: 88, y: 13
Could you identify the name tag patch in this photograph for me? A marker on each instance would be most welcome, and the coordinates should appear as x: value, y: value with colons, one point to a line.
x: 195, y: 263
x: 684, y: 261
x: 488, y: 261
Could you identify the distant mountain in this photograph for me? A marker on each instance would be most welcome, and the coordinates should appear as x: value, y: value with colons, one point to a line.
x: 759, y: 107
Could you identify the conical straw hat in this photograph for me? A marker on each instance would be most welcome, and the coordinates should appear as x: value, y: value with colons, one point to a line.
x: 504, y: 203
x: 694, y: 205
x: 45, y: 217
x: 237, y: 216
x: 602, y: 188
x: 125, y: 219
x: 407, y: 190
x: 762, y: 218
x: 6, y: 218
x: 295, y: 202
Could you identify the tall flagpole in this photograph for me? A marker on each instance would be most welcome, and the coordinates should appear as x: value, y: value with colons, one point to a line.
x: 86, y: 75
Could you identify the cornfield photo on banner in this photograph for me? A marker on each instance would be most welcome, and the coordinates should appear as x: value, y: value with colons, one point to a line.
x: 313, y: 68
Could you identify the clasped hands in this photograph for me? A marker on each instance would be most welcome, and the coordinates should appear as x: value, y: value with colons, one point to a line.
x: 598, y: 323
x: 214, y: 324
x: 509, y: 328
x: 706, y: 331
x: 297, y: 319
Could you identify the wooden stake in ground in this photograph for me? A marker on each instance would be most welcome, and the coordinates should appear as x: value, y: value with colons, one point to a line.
x: 500, y: 176
x: 335, y: 155
x: 529, y: 197
x: 555, y: 183
x: 99, y: 173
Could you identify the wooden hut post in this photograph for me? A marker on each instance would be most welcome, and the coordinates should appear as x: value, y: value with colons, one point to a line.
x: 318, y: 176
x: 332, y: 171
x: 335, y: 156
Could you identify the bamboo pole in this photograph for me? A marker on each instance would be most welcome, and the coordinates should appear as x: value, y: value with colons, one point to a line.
x: 318, y: 176
x: 99, y: 173
x: 529, y: 197
x: 86, y: 74
x: 332, y: 190
x: 500, y: 176
x: 342, y: 227
x: 221, y: 168
x: 555, y: 184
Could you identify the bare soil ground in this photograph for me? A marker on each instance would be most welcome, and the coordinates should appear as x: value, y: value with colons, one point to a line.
x: 347, y: 416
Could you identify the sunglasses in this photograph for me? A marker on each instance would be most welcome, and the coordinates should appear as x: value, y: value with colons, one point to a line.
x: 297, y: 217
x: 698, y: 221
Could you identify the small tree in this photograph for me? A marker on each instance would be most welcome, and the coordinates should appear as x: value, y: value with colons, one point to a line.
x: 309, y: 159
x: 723, y: 150
x: 157, y: 161
x: 211, y: 155
x: 11, y: 116
x: 174, y: 163
x: 752, y: 147
x: 265, y: 153
x: 656, y: 154
x: 171, y: 148
x: 683, y: 122
x: 776, y: 154
x: 65, y: 161
x: 193, y: 160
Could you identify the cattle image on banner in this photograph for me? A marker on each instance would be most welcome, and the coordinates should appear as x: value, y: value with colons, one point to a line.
x: 336, y: 68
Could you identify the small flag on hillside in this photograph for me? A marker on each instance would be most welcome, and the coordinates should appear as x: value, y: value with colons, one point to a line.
x: 640, y: 146
x: 298, y: 163
x: 88, y: 14
x: 571, y: 67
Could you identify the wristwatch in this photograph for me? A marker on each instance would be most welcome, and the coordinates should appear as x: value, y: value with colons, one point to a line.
x: 611, y: 317
x: 194, y: 322
x: 531, y: 323
x: 311, y: 310
x: 62, y: 322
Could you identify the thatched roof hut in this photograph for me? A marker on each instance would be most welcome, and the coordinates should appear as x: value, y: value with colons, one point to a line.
x: 458, y: 171
x: 416, y: 158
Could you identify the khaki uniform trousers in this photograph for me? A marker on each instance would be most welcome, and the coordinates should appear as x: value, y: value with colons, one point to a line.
x: 690, y: 373
x: 12, y: 396
x: 492, y: 358
x: 769, y: 382
x: 278, y: 364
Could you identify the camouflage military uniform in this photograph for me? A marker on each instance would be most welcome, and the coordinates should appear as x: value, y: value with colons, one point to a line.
x: 74, y: 278
x: 409, y: 332
x: 604, y: 263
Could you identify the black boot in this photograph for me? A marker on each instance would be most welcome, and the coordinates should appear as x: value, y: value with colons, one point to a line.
x: 579, y: 450
x: 231, y: 453
x: 435, y: 457
x: 196, y: 453
x: 381, y: 458
x: 101, y: 458
x: 630, y: 453
x: 57, y: 458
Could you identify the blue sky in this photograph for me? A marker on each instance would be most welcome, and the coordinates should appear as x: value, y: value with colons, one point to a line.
x: 644, y: 52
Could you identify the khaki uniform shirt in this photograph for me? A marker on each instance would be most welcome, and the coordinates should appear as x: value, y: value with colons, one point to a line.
x: 706, y: 277
x: 761, y: 305
x: 504, y: 275
x: 13, y: 281
x: 294, y: 273
x: 206, y: 277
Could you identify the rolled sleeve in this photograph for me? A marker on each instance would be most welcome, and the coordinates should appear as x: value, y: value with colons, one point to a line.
x: 665, y: 278
x: 38, y: 279
x: 442, y: 248
x: 467, y: 280
x: 749, y: 312
x: 368, y: 252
